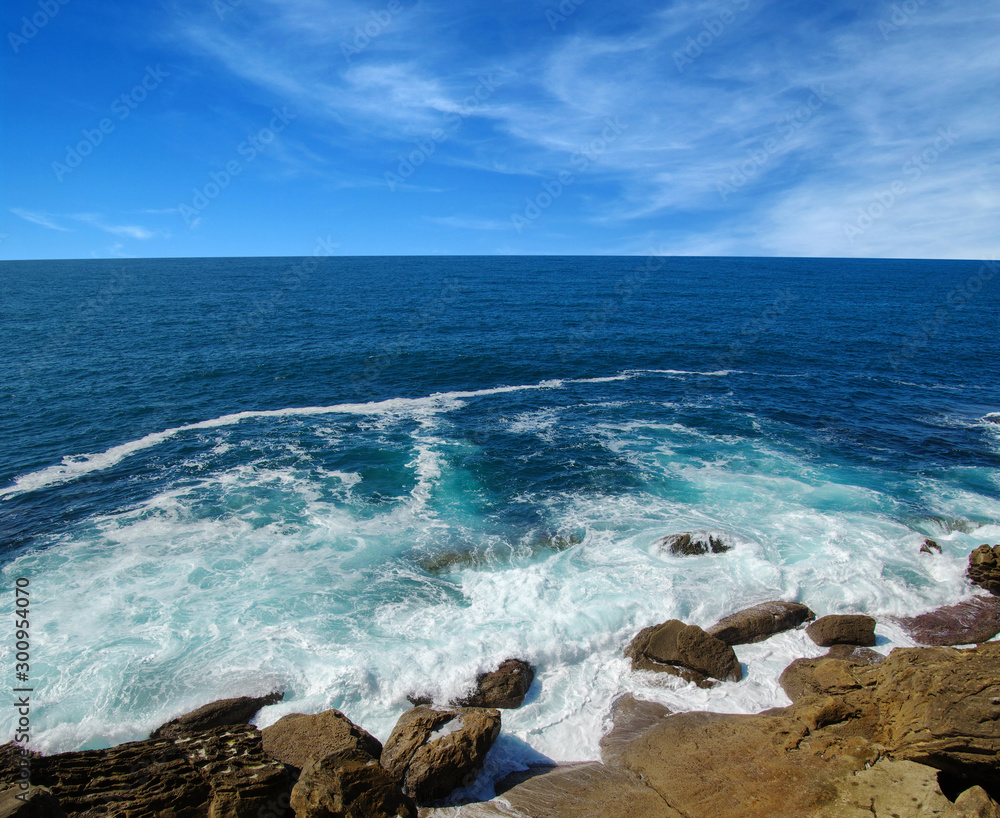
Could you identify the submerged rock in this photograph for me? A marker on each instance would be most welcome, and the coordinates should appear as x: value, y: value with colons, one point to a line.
x: 297, y: 738
x: 843, y: 629
x: 759, y: 622
x: 216, y: 714
x: 693, y: 543
x: 929, y: 547
x: 504, y: 687
x: 984, y: 568
x: 630, y: 718
x: 970, y: 622
x: 673, y: 647
x: 430, y: 752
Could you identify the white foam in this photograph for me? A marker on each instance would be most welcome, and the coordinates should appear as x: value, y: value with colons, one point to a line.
x: 76, y: 466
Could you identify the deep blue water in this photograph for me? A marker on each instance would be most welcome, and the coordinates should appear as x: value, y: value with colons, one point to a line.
x: 223, y: 474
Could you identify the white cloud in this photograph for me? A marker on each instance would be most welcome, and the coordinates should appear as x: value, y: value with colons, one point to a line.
x: 42, y: 219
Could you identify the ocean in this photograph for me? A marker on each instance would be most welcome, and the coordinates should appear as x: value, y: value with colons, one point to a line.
x: 354, y: 479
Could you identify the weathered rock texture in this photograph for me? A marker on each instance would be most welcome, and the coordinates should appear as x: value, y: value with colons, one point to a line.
x: 216, y: 714
x: 689, y: 544
x: 859, y: 740
x: 297, y: 738
x: 967, y: 623
x: 349, y: 784
x: 759, y: 622
x: 222, y: 773
x: 984, y: 568
x: 843, y: 629
x: 432, y: 751
x: 674, y: 647
x: 35, y: 802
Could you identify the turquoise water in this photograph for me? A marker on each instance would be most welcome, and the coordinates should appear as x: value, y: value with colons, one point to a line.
x: 353, y: 479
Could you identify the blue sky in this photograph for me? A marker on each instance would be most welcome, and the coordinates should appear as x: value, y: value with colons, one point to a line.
x: 293, y: 127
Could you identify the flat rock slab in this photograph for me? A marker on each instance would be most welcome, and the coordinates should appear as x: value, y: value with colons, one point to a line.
x: 589, y: 790
x: 967, y: 623
x: 759, y: 622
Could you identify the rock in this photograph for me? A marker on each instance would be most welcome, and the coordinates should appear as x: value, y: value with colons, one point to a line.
x: 849, y: 629
x: 807, y: 677
x: 929, y: 547
x: 297, y: 738
x: 937, y: 706
x: 504, y: 687
x: 694, y: 543
x: 984, y: 568
x: 430, y: 752
x: 630, y: 718
x: 970, y: 622
x: 900, y: 789
x: 216, y: 714
x: 349, y: 784
x: 759, y: 622
x: 855, y: 654
x: 973, y: 803
x: 676, y: 645
x: 222, y: 772
x: 589, y: 790
x: 35, y: 802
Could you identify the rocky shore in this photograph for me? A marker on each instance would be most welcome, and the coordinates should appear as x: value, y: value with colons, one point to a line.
x: 914, y: 733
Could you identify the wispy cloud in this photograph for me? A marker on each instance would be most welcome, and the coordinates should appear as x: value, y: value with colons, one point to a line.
x: 128, y: 230
x: 42, y: 219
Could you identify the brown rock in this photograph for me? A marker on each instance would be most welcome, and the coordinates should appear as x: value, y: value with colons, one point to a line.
x: 849, y: 629
x: 855, y: 654
x: 431, y: 752
x: 504, y: 687
x: 297, y: 738
x: 34, y: 802
x: 630, y: 718
x: 929, y: 547
x: 900, y: 789
x: 759, y: 622
x: 984, y: 568
x: 690, y: 544
x: 808, y: 677
x: 590, y: 790
x: 970, y: 622
x: 349, y: 784
x: 973, y: 803
x: 222, y: 772
x: 676, y: 645
x: 216, y: 714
